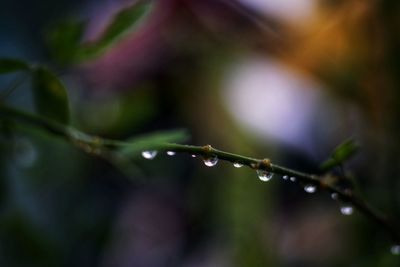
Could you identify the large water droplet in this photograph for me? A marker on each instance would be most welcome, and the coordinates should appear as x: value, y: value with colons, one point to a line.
x: 285, y: 177
x: 346, y: 210
x: 150, y: 154
x: 193, y: 155
x: 211, y: 162
x: 264, y: 176
x: 310, y: 188
x: 171, y: 153
x: 293, y: 179
x: 334, y: 196
x: 395, y: 249
x: 237, y: 165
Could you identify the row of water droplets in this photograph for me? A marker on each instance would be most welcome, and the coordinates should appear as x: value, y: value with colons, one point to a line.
x: 310, y: 188
x: 151, y: 154
x: 263, y: 175
x: 348, y: 210
x: 212, y: 161
x: 345, y: 210
x: 266, y: 176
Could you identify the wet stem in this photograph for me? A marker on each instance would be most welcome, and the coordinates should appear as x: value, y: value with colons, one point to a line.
x: 106, y: 149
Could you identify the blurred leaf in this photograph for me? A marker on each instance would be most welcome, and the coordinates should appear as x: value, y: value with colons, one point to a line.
x: 8, y: 65
x: 328, y: 164
x: 50, y: 95
x: 137, y: 107
x: 340, y: 154
x: 125, y: 165
x: 153, y: 141
x: 345, y: 150
x: 64, y: 40
x: 121, y: 23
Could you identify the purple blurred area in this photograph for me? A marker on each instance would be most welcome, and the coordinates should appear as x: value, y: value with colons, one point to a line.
x: 173, y: 26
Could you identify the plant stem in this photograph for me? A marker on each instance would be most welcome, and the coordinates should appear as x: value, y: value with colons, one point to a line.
x: 83, y: 141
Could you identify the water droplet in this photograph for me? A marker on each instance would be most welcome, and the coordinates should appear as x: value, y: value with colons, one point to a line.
x: 171, y: 153
x: 151, y: 154
x: 285, y: 177
x: 293, y: 179
x: 310, y: 188
x: 193, y: 155
x: 346, y: 210
x: 211, y: 162
x: 237, y: 164
x: 264, y: 175
x: 395, y: 249
x: 334, y: 196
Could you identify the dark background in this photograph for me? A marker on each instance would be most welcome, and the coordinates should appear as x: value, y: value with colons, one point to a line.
x: 287, y: 80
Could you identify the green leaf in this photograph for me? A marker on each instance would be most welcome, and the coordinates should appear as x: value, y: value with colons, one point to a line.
x: 340, y: 154
x: 328, y: 164
x: 153, y: 141
x: 345, y: 150
x: 50, y: 95
x: 64, y: 40
x: 121, y: 23
x: 8, y: 65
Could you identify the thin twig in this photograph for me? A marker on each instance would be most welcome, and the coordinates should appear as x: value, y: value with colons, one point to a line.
x: 90, y: 143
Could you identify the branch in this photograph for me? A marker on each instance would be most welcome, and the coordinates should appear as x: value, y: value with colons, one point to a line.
x: 309, y: 179
x: 107, y: 147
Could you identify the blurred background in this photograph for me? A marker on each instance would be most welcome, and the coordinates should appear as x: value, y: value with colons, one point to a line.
x: 283, y: 79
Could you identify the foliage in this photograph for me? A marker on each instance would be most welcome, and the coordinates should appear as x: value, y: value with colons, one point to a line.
x: 340, y: 154
x: 65, y: 40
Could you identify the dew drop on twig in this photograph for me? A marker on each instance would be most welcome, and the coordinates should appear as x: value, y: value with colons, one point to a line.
x: 211, y: 162
x: 334, y: 196
x: 346, y: 210
x: 149, y: 154
x: 285, y: 177
x: 310, y: 188
x: 293, y: 179
x: 264, y: 176
x: 171, y: 153
x: 237, y: 165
